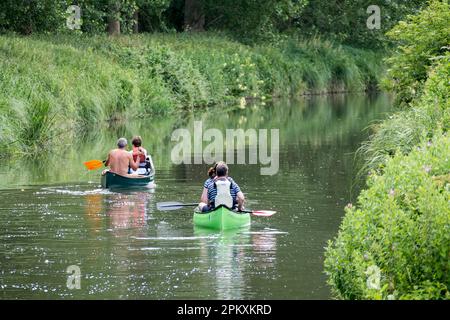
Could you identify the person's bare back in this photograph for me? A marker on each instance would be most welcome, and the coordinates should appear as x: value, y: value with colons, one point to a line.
x: 119, y: 160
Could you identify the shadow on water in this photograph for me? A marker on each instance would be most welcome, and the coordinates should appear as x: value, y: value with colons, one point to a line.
x: 54, y: 213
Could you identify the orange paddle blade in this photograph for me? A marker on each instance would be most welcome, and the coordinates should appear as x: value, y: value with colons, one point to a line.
x: 93, y: 164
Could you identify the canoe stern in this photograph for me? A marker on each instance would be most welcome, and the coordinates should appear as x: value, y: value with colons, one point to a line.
x: 221, y: 219
x: 113, y: 180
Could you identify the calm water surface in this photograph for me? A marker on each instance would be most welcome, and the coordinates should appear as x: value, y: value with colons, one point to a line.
x: 53, y: 213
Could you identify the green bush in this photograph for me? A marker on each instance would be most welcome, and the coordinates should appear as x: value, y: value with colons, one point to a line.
x: 401, y: 227
x: 420, y: 39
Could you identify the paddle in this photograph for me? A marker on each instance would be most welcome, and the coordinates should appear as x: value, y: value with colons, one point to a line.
x: 260, y: 213
x: 94, y: 164
x: 166, y: 206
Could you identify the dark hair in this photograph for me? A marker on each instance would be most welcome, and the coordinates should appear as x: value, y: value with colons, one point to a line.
x: 212, y: 171
x: 137, y: 141
x: 221, y: 169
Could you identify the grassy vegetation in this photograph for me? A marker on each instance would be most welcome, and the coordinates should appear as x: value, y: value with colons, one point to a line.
x: 401, y: 226
x: 418, y: 72
x: 404, y: 130
x: 56, y: 86
x: 395, y: 243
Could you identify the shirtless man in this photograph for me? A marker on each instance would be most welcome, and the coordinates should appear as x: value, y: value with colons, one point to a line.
x: 119, y: 159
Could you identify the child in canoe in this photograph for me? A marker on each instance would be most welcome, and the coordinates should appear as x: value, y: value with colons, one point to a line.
x: 145, y: 163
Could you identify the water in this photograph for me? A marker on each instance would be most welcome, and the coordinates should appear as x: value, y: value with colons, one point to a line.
x: 53, y: 213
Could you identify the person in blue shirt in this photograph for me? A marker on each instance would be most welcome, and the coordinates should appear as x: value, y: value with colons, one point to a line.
x: 220, y: 189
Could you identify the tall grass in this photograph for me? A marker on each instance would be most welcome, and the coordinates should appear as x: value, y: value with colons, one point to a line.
x: 51, y: 86
x: 401, y: 132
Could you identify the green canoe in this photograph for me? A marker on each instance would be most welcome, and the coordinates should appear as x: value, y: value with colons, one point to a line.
x: 114, y: 180
x: 221, y: 218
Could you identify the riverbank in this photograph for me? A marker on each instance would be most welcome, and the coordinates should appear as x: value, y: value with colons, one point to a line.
x: 395, y: 242
x: 57, y: 86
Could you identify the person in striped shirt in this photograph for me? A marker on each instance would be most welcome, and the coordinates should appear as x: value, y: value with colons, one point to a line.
x: 218, y: 176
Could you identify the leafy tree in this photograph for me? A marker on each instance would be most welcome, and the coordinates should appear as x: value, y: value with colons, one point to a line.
x: 117, y: 15
x: 28, y: 16
x: 252, y: 18
x: 151, y: 15
x: 247, y: 20
x: 194, y: 15
x: 421, y: 39
x: 346, y: 20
